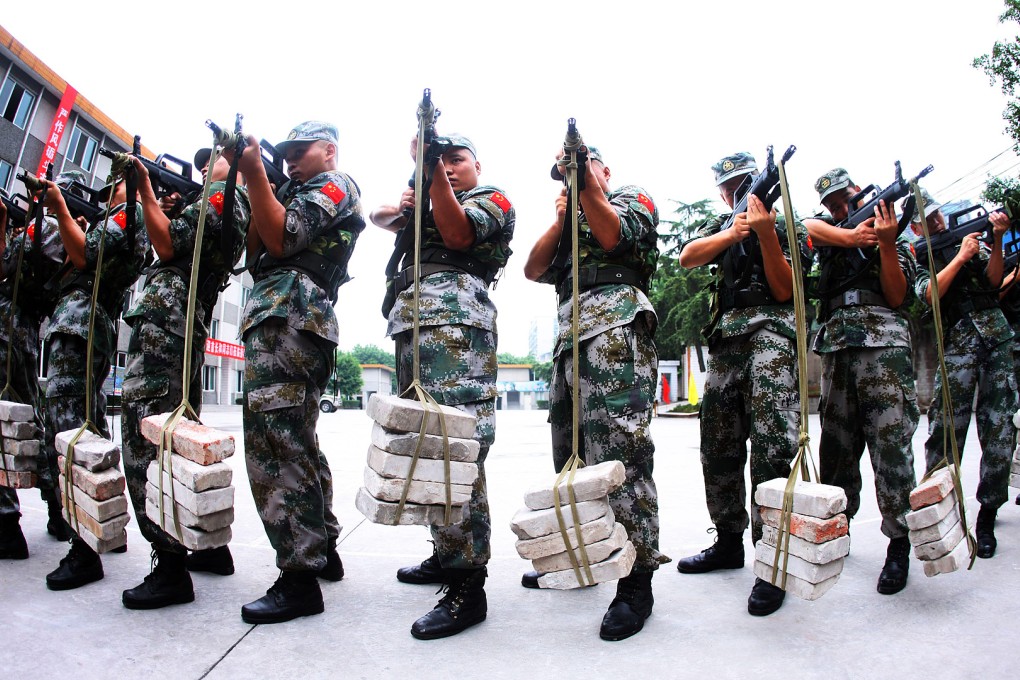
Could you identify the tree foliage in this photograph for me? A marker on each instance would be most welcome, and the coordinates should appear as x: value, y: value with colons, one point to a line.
x: 371, y: 354
x: 508, y: 358
x: 347, y: 382
x: 542, y: 371
x: 1003, y: 65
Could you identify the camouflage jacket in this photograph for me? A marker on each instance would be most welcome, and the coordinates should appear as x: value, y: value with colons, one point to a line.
x: 120, y: 269
x: 448, y: 298
x: 164, y: 300
x: 315, y: 210
x: 35, y: 302
x: 970, y: 284
x: 611, y: 305
x: 729, y: 320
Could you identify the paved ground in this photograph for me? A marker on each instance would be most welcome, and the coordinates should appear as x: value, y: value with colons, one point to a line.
x: 951, y: 626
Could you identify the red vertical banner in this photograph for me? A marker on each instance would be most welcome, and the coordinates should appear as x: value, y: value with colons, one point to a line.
x: 665, y: 390
x: 49, y: 154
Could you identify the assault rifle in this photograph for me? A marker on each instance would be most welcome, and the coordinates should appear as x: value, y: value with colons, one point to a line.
x: 167, y: 174
x: 82, y: 201
x: 17, y: 209
x: 272, y: 161
x: 863, y: 204
x: 962, y: 223
x: 765, y: 186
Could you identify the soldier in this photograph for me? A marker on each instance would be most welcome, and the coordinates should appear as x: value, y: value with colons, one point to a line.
x: 868, y: 392
x: 1009, y: 299
x: 125, y: 247
x: 978, y: 346
x: 618, y: 250
x: 35, y: 303
x: 303, y: 238
x: 465, y: 242
x: 153, y: 383
x: 751, y: 389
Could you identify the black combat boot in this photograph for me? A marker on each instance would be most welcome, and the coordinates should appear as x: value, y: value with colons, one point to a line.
x: 334, y: 569
x: 12, y: 541
x: 80, y: 567
x: 629, y: 609
x: 726, y: 553
x: 168, y: 583
x: 765, y: 598
x: 429, y: 571
x: 56, y: 525
x: 295, y: 594
x: 462, y: 606
x: 529, y: 579
x: 212, y: 561
x: 984, y: 530
x: 893, y: 578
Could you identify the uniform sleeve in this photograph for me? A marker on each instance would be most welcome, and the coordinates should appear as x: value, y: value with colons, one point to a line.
x: 707, y: 228
x: 638, y: 217
x: 488, y: 211
x: 115, y: 235
x: 911, y: 271
x: 315, y: 206
x: 52, y: 246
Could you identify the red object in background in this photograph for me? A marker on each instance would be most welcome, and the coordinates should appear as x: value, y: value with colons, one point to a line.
x: 57, y: 128
x: 665, y: 390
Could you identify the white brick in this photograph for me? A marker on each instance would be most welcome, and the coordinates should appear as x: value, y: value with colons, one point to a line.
x: 593, y: 481
x: 425, y: 470
x: 809, y: 498
x: 107, y: 530
x: 99, y: 485
x: 1016, y: 419
x: 100, y: 545
x: 591, y: 532
x: 959, y: 558
x: 536, y: 523
x: 12, y: 411
x: 616, y: 567
x: 421, y: 493
x: 199, y: 477
x: 19, y: 430
x: 191, y: 538
x: 933, y: 490
x: 92, y: 452
x: 597, y: 552
x: 199, y: 503
x: 795, y: 586
x: 812, y: 573
x: 20, y: 463
x: 816, y: 553
x: 194, y: 441
x: 935, y: 531
x: 932, y: 514
x: 211, y: 522
x: 405, y: 415
x: 404, y: 444
x: 381, y: 512
x: 941, y: 547
x: 101, y: 510
x: 21, y: 447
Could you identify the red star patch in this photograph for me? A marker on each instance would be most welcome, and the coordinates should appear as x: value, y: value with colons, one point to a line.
x: 120, y: 219
x: 335, y: 193
x: 216, y: 201
x: 500, y: 200
x: 647, y: 202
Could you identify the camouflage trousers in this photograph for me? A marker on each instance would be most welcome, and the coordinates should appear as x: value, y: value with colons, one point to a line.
x: 458, y: 368
x: 285, y: 373
x: 868, y: 398
x: 988, y: 370
x: 153, y: 385
x: 750, y: 393
x: 65, y: 391
x: 617, y: 377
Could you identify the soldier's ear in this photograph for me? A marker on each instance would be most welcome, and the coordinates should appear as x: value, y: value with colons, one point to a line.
x: 478, y: 168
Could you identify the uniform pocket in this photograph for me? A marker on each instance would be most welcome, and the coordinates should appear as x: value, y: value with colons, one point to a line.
x: 627, y: 402
x: 279, y: 396
x: 146, y: 387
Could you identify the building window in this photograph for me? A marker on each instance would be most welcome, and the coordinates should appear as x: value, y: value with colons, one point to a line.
x: 16, y: 102
x: 240, y: 381
x: 82, y: 149
x: 214, y: 329
x: 209, y: 378
x: 245, y: 295
x: 5, y: 174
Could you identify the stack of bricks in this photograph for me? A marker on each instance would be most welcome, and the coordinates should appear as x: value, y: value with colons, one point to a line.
x: 202, y: 493
x: 395, y: 437
x: 20, y: 445
x: 100, y: 507
x: 610, y: 553
x: 936, y: 531
x: 818, y: 537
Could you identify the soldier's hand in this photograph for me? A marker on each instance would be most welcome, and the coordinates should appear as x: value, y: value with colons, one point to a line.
x: 53, y: 200
x: 864, y: 235
x: 407, y: 200
x: 82, y: 222
x: 168, y: 203
x: 760, y: 220
x: 969, y: 247
x: 886, y: 225
x: 561, y: 206
x: 1000, y: 223
x: 741, y: 229
x: 250, y: 161
x: 143, y: 172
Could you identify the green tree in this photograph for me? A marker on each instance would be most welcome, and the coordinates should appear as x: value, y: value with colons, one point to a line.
x: 1003, y: 65
x: 542, y: 371
x: 371, y: 354
x: 347, y: 381
x: 998, y: 188
x: 508, y: 358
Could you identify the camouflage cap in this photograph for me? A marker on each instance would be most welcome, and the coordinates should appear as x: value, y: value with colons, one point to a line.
x: 930, y: 206
x: 833, y: 180
x: 310, y: 131
x: 104, y: 193
x: 458, y: 141
x: 201, y: 158
x: 740, y: 163
x: 65, y: 179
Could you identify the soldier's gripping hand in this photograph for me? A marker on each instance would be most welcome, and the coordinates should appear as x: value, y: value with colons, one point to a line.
x: 885, y: 224
x: 561, y: 207
x: 53, y: 200
x: 761, y: 221
x: 1000, y: 223
x: 864, y: 234
x: 969, y: 247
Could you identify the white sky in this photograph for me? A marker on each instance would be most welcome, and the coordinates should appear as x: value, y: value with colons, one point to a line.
x: 664, y: 89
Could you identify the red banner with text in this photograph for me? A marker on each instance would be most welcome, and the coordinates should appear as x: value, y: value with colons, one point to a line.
x: 49, y: 154
x: 219, y: 348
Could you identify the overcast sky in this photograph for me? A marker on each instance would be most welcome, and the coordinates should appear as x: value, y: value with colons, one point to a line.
x: 664, y: 89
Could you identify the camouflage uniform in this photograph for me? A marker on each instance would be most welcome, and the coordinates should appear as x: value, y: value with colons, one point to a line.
x: 34, y: 304
x: 868, y: 394
x: 616, y: 323
x: 153, y: 382
x: 978, y: 344
x: 67, y: 333
x: 290, y: 334
x: 457, y: 352
x: 751, y: 389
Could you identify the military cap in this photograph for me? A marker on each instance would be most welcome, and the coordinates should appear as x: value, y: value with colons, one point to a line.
x: 833, y: 180
x: 458, y: 141
x: 201, y: 158
x: 310, y: 131
x: 740, y: 163
x: 66, y: 179
x: 930, y: 206
x: 106, y: 191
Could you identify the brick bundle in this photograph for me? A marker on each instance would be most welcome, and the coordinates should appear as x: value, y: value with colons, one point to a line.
x: 100, y: 505
x: 202, y: 492
x: 1014, y: 471
x: 610, y: 553
x: 20, y: 445
x: 395, y: 437
x: 818, y: 536
x: 936, y: 531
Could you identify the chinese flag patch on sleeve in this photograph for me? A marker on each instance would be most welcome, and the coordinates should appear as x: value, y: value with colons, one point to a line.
x: 31, y: 232
x: 500, y: 200
x: 216, y: 201
x: 335, y: 193
x: 647, y: 202
x: 120, y: 219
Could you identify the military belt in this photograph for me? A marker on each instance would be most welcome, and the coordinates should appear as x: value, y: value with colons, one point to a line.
x: 592, y: 276
x: 855, y: 298
x: 752, y: 298
x: 324, y: 272
x: 962, y: 307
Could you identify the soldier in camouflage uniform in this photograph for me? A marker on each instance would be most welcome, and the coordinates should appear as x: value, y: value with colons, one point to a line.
x: 868, y: 394
x: 751, y: 389
x: 1010, y: 302
x: 465, y: 243
x: 125, y: 247
x: 299, y: 251
x: 34, y: 304
x: 618, y: 251
x: 153, y: 383
x: 978, y: 344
